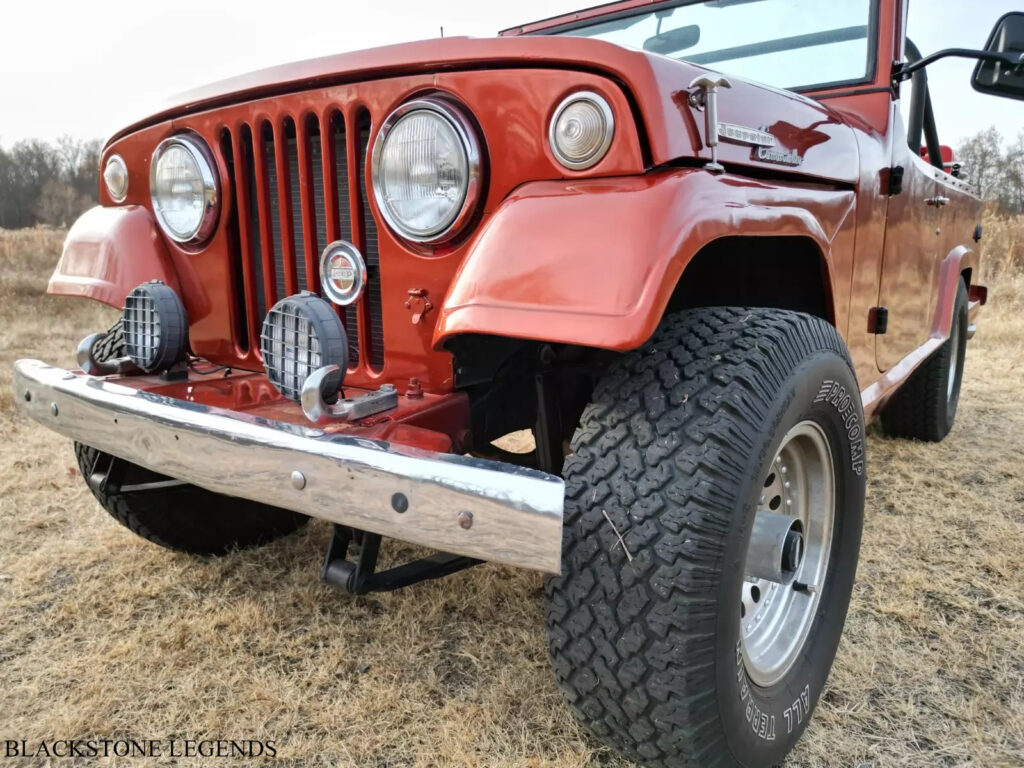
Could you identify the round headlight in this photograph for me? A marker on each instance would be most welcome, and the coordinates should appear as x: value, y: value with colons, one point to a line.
x: 581, y: 130
x: 115, y: 176
x: 302, y: 334
x: 426, y: 170
x: 183, y: 185
x: 155, y: 327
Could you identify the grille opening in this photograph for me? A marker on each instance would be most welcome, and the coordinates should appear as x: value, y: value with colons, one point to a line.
x: 349, y: 314
x: 293, y: 182
x: 371, y: 250
x: 315, y: 171
x: 239, y: 315
x: 255, y: 239
x: 271, y: 163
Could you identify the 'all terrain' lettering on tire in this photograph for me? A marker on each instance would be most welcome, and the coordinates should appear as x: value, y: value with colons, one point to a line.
x: 761, y: 723
x: 835, y: 394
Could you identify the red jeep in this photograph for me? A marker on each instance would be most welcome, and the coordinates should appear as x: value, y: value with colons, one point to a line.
x: 343, y: 280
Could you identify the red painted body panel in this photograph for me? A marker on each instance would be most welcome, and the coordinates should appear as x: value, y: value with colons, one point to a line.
x: 108, y: 252
x: 433, y: 422
x: 594, y: 262
x: 586, y: 258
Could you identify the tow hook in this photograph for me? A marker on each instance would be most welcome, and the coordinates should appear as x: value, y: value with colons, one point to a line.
x: 418, y: 303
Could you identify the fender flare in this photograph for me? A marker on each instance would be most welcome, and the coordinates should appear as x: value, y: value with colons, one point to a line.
x: 594, y: 263
x: 108, y: 252
x: 950, y: 271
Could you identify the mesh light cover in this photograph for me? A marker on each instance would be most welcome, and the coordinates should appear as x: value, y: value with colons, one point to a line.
x: 301, y: 334
x: 155, y: 327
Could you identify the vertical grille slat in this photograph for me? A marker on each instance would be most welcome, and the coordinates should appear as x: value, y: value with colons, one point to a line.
x: 300, y: 184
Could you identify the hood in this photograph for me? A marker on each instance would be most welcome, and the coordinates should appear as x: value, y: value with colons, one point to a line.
x: 669, y: 128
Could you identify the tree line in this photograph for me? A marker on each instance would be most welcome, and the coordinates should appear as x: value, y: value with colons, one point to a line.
x: 51, y: 184
x: 995, y: 167
x: 44, y: 183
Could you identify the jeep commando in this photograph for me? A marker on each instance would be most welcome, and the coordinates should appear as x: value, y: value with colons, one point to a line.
x: 691, y: 245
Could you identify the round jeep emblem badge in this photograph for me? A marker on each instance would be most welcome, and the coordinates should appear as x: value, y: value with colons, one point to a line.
x: 342, y: 272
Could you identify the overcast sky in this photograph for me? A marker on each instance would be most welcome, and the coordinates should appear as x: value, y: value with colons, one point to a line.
x: 86, y: 68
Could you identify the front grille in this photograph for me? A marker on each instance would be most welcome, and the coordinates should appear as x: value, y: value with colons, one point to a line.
x: 293, y: 181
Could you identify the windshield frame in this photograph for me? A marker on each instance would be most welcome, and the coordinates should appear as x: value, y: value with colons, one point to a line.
x: 871, y: 63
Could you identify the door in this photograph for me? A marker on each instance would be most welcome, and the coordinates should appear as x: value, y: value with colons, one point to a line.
x: 910, y: 261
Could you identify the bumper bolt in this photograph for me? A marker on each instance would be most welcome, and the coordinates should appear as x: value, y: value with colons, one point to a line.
x: 298, y: 480
x: 28, y: 396
x: 465, y: 520
x: 54, y: 409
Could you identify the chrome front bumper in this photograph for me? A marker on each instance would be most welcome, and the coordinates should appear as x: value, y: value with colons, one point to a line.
x: 516, y: 512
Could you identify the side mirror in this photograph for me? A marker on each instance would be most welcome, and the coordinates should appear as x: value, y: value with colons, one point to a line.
x: 996, y: 77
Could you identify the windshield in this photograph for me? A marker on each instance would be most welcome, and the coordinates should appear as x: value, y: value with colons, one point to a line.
x: 792, y: 44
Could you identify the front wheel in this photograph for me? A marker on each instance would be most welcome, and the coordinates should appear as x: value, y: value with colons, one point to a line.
x: 714, y: 505
x: 177, y: 515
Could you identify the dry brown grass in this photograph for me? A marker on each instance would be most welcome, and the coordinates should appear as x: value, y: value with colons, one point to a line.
x: 103, y: 634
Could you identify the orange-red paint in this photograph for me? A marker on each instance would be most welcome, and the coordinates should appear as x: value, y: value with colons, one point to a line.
x: 588, y: 258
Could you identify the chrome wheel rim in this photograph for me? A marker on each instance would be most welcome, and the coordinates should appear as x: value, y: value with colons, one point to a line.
x: 954, y: 359
x: 775, y: 619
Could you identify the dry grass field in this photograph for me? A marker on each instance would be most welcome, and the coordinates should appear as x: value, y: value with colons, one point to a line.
x: 105, y: 635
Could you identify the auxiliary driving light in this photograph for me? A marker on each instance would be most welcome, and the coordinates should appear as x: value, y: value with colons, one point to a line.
x: 302, y: 334
x: 155, y: 327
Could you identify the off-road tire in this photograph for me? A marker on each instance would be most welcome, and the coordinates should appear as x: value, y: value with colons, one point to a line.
x: 183, y: 517
x: 111, y: 345
x: 924, y: 408
x: 643, y: 630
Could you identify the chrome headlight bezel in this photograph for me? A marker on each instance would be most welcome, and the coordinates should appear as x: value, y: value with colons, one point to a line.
x: 207, y: 166
x: 607, y: 114
x: 457, y: 119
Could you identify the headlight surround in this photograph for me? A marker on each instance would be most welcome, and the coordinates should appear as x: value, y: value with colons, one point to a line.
x: 184, y: 188
x: 426, y: 170
x: 581, y: 130
x: 115, y: 177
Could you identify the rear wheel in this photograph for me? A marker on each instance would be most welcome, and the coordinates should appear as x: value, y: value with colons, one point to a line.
x: 924, y: 408
x: 714, y: 505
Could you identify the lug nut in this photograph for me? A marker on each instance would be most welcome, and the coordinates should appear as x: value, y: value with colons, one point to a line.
x: 414, y: 391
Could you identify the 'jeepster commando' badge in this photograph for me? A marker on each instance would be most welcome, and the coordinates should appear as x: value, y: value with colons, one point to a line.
x: 781, y: 156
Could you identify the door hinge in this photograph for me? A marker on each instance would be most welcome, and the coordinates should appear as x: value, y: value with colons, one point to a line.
x: 894, y: 183
x: 878, y: 320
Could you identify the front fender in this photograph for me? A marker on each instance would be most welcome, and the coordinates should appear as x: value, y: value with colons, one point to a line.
x: 594, y: 263
x: 108, y: 252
